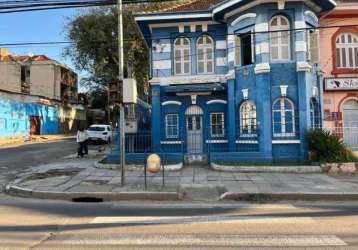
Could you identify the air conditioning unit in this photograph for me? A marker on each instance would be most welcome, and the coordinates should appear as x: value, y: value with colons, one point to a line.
x: 129, y: 90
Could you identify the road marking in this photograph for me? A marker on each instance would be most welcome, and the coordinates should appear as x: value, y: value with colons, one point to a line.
x: 209, y: 240
x: 228, y: 219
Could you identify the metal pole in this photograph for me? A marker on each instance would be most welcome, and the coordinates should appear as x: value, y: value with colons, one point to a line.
x: 120, y: 79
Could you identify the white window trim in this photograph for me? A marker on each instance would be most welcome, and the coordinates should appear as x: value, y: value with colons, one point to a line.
x: 182, y: 48
x: 282, y: 112
x: 279, y: 44
x: 205, y: 55
x: 346, y: 46
x: 166, y: 126
x: 211, y: 125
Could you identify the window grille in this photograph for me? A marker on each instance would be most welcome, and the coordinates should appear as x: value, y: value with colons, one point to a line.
x: 248, y: 123
x: 182, y: 60
x: 283, y: 118
x: 172, y: 125
x: 280, y: 38
x: 217, y: 124
x: 205, y: 55
x: 347, y: 51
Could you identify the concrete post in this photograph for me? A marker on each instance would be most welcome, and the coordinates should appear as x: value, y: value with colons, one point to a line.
x: 156, y: 118
x: 231, y: 115
x: 303, y: 112
x: 264, y: 114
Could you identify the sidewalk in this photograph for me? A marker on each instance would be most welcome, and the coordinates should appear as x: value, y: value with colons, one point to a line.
x: 78, y: 178
x: 22, y: 140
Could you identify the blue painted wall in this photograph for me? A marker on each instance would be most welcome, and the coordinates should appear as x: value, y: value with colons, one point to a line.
x: 15, y: 118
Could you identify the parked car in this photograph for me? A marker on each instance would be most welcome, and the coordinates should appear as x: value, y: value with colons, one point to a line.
x: 100, y: 133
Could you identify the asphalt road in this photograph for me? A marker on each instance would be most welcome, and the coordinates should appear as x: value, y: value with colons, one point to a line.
x: 43, y: 224
x: 19, y: 158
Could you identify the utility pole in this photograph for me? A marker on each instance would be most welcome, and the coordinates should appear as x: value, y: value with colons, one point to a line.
x: 120, y: 79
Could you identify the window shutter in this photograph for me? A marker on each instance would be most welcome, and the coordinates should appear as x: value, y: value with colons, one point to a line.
x: 314, y: 46
x: 237, y: 51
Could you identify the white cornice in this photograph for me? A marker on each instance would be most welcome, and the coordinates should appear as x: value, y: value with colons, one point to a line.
x: 304, y: 66
x: 189, y: 79
x: 262, y: 68
x: 171, y: 103
x: 240, y: 18
x: 176, y: 24
x: 311, y: 14
x: 171, y: 16
x: 216, y: 101
x: 257, y: 2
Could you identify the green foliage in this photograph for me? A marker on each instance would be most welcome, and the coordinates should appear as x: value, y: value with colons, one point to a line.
x: 95, y: 48
x: 327, y: 147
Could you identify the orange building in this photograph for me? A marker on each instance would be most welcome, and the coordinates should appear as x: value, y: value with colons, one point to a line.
x: 339, y: 62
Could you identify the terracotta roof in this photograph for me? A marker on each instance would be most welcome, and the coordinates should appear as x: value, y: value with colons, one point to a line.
x: 24, y: 59
x: 192, y: 5
x: 35, y: 58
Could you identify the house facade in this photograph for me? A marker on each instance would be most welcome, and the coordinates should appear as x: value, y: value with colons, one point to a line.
x: 340, y: 65
x: 38, y: 95
x: 235, y: 81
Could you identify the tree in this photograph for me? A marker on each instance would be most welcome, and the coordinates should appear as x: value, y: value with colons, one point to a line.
x: 94, y: 49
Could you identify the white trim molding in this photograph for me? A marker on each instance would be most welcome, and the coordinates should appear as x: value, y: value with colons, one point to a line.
x: 168, y: 25
x: 286, y: 141
x: 170, y: 142
x: 216, y: 141
x: 171, y: 16
x: 246, y: 142
x: 171, y: 103
x: 221, y: 61
x: 311, y: 14
x: 230, y: 75
x: 221, y: 44
x: 216, y: 101
x: 262, y: 68
x: 161, y: 48
x: 301, y: 46
x: 261, y: 27
x: 189, y: 79
x: 304, y: 66
x: 300, y: 24
x: 262, y: 48
x: 162, y: 64
x: 240, y: 18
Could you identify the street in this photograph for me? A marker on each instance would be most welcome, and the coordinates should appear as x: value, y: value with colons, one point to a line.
x: 44, y: 224
x: 16, y: 159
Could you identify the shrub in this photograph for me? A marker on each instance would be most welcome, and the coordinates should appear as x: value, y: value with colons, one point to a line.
x: 327, y: 147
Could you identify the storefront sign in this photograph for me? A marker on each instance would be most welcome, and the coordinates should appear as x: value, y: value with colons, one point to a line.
x: 341, y: 84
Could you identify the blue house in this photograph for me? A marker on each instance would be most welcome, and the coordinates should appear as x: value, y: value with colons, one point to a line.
x: 235, y: 80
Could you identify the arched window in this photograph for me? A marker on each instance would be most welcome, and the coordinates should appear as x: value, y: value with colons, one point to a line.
x: 205, y: 54
x: 248, y: 125
x: 283, y: 118
x: 315, y: 114
x: 182, y: 56
x: 280, y: 40
x: 347, y: 51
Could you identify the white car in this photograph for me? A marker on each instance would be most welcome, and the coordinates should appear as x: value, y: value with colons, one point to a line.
x: 100, y: 132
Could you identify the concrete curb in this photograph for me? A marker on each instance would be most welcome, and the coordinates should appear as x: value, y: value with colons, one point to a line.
x: 242, y: 196
x: 267, y: 169
x: 172, y: 167
x: 106, y: 196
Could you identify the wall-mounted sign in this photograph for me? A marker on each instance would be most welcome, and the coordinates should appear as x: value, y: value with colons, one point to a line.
x: 341, y: 84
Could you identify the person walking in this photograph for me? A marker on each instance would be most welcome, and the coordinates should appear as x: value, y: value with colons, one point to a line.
x: 81, y: 140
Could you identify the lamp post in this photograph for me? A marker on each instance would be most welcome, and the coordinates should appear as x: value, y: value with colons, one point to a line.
x: 120, y: 79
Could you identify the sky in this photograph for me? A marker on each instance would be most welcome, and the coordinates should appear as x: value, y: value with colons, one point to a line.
x: 37, y: 26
